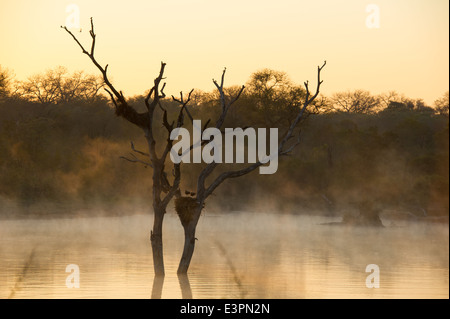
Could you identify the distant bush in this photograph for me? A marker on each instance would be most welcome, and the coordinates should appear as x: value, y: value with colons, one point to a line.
x: 68, y: 150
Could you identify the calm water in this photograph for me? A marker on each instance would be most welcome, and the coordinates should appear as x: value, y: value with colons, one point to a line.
x: 238, y: 255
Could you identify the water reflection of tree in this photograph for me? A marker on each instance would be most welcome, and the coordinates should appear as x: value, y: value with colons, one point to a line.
x: 185, y: 286
x: 186, y: 292
x: 158, y: 282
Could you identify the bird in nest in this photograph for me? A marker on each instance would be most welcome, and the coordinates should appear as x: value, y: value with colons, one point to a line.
x: 189, y: 193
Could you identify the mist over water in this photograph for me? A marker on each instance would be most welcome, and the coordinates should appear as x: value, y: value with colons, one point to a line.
x: 238, y: 255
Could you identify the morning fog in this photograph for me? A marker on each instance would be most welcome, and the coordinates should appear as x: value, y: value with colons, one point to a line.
x: 235, y: 147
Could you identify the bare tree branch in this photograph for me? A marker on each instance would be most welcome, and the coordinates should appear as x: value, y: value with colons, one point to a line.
x: 145, y: 122
x: 134, y: 159
x: 225, y: 107
x: 204, y: 193
x: 121, y: 106
x: 291, y: 148
x: 157, y: 94
x: 137, y: 151
x: 184, y: 103
x: 174, y: 190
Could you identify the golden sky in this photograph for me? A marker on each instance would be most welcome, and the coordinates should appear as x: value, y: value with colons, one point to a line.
x: 409, y: 52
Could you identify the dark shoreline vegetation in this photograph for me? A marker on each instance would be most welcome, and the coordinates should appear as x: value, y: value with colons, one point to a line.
x: 60, y: 152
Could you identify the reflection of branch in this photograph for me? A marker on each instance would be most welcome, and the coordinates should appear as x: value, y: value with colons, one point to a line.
x: 22, y: 275
x: 230, y: 264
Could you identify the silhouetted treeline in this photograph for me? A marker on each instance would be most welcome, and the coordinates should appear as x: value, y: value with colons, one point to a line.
x: 65, y: 148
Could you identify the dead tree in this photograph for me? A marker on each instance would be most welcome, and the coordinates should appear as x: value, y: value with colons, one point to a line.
x: 163, y: 190
x: 189, y: 208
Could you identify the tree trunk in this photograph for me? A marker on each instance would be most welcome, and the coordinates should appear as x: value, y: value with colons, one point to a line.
x: 188, y: 210
x: 189, y: 246
x: 157, y: 243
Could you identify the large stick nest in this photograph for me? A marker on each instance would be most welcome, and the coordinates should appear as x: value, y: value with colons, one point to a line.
x: 185, y: 208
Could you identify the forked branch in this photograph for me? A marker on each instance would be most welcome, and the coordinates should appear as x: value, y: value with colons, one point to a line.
x: 121, y: 106
x: 225, y: 105
x: 205, y: 192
